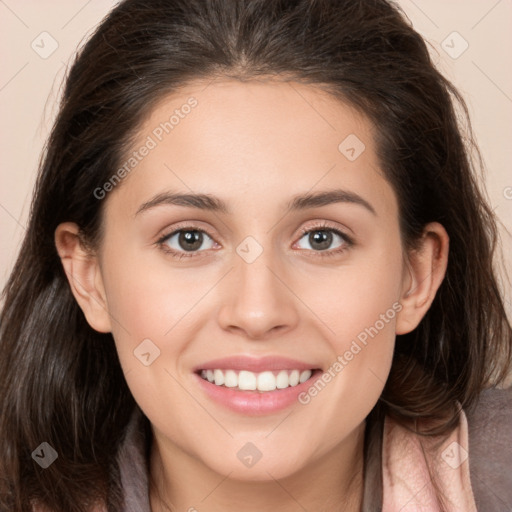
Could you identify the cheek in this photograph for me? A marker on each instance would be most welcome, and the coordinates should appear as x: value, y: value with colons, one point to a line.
x: 143, y: 304
x: 360, y: 296
x: 361, y: 356
x: 359, y: 306
x: 148, y: 300
x: 149, y: 312
x: 146, y: 297
x: 366, y: 310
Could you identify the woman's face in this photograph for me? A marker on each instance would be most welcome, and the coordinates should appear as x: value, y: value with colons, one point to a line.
x: 243, y: 288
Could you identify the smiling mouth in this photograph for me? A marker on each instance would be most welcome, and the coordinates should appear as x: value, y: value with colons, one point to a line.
x: 242, y: 380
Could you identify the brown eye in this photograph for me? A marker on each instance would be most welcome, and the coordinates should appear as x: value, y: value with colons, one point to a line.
x: 190, y: 240
x: 185, y: 242
x: 321, y: 239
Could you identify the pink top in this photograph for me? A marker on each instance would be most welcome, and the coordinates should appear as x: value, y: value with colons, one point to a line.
x: 406, y: 460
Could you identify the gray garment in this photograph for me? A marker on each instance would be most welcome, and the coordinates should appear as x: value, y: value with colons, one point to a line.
x: 490, y: 455
x: 490, y: 450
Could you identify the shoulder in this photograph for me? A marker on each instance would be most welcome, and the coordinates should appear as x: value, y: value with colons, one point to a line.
x: 490, y: 449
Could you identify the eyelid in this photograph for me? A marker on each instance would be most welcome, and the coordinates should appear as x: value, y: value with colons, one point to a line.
x: 191, y: 225
x: 327, y: 226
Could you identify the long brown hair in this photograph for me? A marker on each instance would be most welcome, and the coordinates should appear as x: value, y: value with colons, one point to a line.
x: 61, y: 381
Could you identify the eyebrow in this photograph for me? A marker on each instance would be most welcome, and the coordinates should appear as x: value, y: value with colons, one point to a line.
x: 299, y: 202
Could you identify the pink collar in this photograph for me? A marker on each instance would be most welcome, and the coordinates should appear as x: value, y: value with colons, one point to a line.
x: 406, y: 461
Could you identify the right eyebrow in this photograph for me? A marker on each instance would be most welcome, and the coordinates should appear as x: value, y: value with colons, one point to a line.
x: 200, y: 201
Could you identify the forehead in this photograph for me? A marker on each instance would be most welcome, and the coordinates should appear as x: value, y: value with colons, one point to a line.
x: 243, y: 140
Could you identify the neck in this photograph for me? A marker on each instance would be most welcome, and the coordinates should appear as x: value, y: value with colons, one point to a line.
x: 333, y: 482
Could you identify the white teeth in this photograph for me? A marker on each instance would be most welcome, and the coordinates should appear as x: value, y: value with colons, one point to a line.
x: 282, y: 380
x: 219, y: 377
x: 264, y: 381
x: 294, y: 377
x: 247, y: 380
x: 304, y: 376
x: 230, y: 379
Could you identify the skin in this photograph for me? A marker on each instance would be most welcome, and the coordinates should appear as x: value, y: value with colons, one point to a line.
x: 254, y: 145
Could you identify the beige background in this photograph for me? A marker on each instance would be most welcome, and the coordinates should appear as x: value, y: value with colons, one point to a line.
x: 29, y: 87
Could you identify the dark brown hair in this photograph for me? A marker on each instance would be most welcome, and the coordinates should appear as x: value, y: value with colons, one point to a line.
x: 61, y: 381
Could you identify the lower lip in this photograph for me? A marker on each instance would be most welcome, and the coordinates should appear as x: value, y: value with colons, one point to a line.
x: 256, y: 403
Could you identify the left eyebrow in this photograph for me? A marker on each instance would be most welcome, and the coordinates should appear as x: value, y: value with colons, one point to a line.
x: 324, y: 198
x: 299, y: 202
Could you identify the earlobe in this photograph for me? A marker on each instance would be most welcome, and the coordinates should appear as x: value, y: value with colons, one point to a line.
x: 425, y: 271
x: 84, y: 276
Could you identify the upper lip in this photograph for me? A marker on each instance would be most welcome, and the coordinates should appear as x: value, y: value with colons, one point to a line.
x: 255, y: 364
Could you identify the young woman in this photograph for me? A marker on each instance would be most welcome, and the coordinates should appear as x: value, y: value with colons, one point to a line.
x: 258, y: 274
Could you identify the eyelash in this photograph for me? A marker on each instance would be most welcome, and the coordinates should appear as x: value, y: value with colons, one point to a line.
x: 348, y: 241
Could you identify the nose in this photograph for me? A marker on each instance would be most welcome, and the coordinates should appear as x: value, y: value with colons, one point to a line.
x: 258, y: 300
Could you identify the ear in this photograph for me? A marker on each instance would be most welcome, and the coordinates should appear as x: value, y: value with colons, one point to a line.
x: 84, y: 276
x: 425, y: 271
